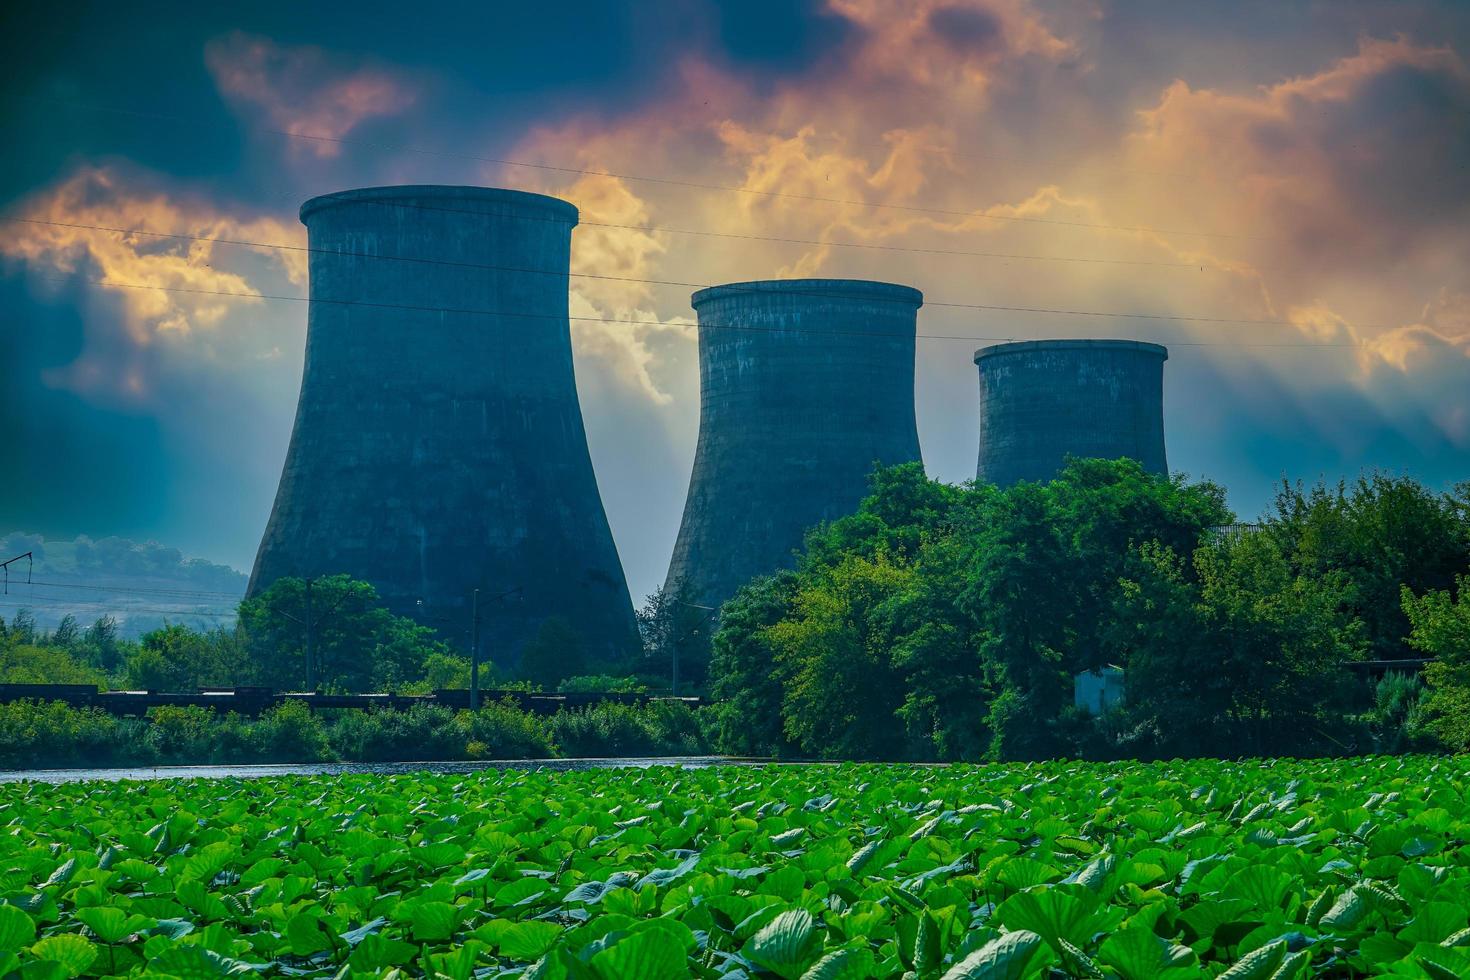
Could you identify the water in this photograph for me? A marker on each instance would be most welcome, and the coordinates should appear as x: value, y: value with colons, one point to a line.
x: 374, y: 768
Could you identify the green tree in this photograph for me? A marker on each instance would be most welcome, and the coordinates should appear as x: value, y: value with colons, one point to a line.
x: 101, y: 647
x: 25, y: 663
x: 834, y: 653
x: 356, y: 643
x: 1017, y: 593
x: 744, y: 680
x: 67, y: 633
x: 670, y: 625
x: 1440, y: 628
x: 1243, y: 657
x: 1382, y: 534
x: 177, y: 658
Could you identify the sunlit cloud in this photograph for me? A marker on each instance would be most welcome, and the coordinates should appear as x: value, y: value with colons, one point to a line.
x: 152, y: 272
x: 166, y: 284
x: 303, y: 91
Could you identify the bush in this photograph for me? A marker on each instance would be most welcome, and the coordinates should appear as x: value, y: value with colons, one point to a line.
x: 1399, y: 717
x: 659, y: 728
x: 601, y: 684
x: 423, y: 732
x: 26, y: 664
x: 290, y: 732
x: 52, y: 734
x: 182, y: 735
x: 602, y: 730
x: 40, y: 735
x: 503, y: 731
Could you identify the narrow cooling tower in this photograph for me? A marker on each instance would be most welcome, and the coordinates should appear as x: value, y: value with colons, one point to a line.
x: 438, y: 445
x: 1044, y: 400
x: 805, y: 384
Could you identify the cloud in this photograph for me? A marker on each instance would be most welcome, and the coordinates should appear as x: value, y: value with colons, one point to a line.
x: 177, y: 292
x: 1360, y: 168
x: 613, y: 317
x: 61, y: 233
x: 302, y: 90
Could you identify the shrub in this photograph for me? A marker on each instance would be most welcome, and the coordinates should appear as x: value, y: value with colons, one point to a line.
x: 658, y: 728
x: 602, y: 730
x: 678, y: 728
x: 291, y: 732
x: 182, y: 735
x: 48, y: 734
x: 503, y: 731
x: 26, y: 664
x: 423, y: 732
x: 601, y: 684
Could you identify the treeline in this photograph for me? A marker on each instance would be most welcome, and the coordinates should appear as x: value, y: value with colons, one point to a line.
x: 356, y: 646
x: 949, y: 622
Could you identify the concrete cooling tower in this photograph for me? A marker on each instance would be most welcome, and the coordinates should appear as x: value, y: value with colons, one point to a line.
x: 1044, y: 400
x: 438, y: 445
x: 805, y: 384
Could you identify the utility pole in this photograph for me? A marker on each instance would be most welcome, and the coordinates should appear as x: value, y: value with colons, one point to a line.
x: 709, y: 613
x: 475, y: 654
x: 9, y: 561
x: 310, y: 629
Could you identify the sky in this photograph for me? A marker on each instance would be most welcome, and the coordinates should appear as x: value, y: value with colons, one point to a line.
x: 1283, y: 186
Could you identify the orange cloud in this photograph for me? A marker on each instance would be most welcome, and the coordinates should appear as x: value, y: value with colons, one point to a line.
x: 300, y: 91
x: 98, y: 197
x: 170, y: 308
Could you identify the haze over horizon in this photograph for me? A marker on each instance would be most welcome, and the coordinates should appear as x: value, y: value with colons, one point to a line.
x: 1287, y: 185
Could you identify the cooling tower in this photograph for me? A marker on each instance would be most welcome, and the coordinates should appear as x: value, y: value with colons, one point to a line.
x: 805, y: 384
x: 438, y: 445
x: 1044, y: 400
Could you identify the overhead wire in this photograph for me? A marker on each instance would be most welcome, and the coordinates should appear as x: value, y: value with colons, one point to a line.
x: 1166, y: 317
x: 648, y: 229
x: 183, y: 593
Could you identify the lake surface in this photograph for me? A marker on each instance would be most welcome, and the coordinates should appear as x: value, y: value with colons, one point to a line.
x: 377, y: 768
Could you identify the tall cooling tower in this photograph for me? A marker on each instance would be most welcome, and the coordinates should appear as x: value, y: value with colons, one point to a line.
x: 805, y: 384
x: 438, y: 445
x: 1044, y: 400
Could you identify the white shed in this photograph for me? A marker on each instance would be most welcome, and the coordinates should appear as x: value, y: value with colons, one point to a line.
x: 1098, y: 690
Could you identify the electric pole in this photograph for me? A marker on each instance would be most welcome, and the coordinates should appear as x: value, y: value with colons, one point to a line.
x: 475, y: 654
x: 8, y: 562
x: 310, y: 629
x: 709, y: 613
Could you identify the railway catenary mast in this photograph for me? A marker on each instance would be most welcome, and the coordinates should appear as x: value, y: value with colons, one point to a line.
x: 439, y: 445
x: 805, y: 384
x: 1044, y: 400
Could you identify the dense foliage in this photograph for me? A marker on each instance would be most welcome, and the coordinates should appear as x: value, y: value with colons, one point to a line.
x: 53, y: 735
x: 943, y: 622
x: 1135, y: 871
x: 356, y: 645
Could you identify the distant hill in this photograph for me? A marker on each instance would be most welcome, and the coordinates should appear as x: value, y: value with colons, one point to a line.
x: 140, y: 584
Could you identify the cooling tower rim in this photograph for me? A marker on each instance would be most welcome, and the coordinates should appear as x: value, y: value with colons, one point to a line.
x: 857, y: 289
x: 443, y: 192
x: 1027, y: 346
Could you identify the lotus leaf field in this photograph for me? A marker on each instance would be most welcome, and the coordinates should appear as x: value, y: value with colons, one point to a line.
x: 1183, y: 869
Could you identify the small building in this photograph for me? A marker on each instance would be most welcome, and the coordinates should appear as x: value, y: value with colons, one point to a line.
x: 1098, y: 691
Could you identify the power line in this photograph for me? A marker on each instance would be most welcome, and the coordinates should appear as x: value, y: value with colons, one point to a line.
x: 114, y: 608
x: 648, y: 229
x: 666, y: 181
x: 182, y: 593
x: 69, y: 600
x: 1177, y: 318
x: 438, y: 262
